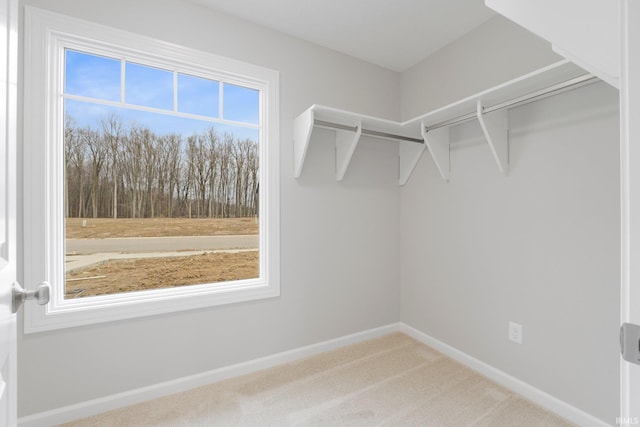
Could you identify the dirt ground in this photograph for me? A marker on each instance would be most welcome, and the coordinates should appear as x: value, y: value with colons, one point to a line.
x: 100, y: 228
x: 119, y: 276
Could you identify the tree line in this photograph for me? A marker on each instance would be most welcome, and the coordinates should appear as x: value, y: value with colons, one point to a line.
x: 128, y: 171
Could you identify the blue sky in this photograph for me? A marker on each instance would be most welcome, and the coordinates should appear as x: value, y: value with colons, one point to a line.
x: 100, y: 78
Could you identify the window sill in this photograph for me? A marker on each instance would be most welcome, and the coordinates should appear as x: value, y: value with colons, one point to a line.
x: 92, y: 310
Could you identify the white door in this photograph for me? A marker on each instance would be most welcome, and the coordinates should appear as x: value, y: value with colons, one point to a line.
x: 8, y: 144
x: 630, y: 199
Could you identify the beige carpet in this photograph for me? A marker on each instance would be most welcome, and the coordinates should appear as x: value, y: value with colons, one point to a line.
x: 389, y: 381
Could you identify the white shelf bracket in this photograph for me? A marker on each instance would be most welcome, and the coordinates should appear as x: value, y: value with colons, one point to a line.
x: 495, y: 126
x: 437, y: 140
x: 346, y: 143
x: 409, y: 155
x: 302, y: 127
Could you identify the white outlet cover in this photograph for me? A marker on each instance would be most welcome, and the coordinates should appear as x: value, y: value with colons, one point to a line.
x: 515, y: 332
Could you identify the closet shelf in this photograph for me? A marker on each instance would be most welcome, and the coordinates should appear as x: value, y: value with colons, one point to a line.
x: 431, y: 130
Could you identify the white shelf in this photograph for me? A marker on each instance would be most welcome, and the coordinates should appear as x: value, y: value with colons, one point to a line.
x: 346, y: 140
x: 430, y: 130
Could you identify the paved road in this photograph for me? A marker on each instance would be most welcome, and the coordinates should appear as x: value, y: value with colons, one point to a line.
x: 74, y: 262
x: 160, y: 244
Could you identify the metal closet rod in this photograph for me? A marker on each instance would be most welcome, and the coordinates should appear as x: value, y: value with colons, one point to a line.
x: 537, y: 95
x: 369, y: 132
x: 512, y: 103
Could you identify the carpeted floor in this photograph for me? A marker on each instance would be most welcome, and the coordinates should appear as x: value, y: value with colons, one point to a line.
x: 390, y: 381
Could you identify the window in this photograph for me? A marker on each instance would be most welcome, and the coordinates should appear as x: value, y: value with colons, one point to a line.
x: 160, y: 185
x: 138, y: 155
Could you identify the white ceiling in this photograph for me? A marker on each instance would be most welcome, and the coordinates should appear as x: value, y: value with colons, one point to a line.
x: 394, y: 34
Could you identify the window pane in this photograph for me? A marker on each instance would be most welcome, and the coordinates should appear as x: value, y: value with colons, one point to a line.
x: 241, y: 104
x: 91, y: 75
x: 198, y: 96
x: 148, y: 86
x: 156, y: 201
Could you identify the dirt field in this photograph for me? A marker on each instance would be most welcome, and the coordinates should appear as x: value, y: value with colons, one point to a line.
x: 100, y: 228
x: 159, y: 273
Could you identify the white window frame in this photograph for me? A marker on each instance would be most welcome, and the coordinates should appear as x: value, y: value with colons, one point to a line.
x: 46, y: 36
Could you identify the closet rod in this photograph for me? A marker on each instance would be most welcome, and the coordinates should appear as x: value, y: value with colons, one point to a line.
x: 555, y: 89
x: 368, y: 132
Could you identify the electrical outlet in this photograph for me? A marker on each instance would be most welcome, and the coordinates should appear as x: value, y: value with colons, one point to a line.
x: 515, y: 332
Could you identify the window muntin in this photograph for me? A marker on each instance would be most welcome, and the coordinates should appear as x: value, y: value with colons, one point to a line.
x: 97, y: 77
x: 48, y: 37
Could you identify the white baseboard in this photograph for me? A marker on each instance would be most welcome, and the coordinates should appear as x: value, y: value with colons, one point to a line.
x: 121, y: 400
x: 535, y: 395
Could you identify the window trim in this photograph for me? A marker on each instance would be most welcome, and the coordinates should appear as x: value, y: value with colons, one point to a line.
x: 43, y: 174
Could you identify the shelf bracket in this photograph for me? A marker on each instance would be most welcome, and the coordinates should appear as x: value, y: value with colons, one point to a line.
x: 495, y: 126
x: 302, y: 127
x: 409, y: 155
x: 346, y: 143
x: 437, y: 140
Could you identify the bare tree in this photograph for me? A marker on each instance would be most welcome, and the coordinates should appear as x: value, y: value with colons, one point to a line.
x: 150, y: 167
x: 245, y: 158
x: 252, y: 171
x: 173, y: 152
x: 113, y: 135
x: 70, y: 144
x: 136, y: 173
x: 212, y: 159
x: 132, y: 169
x: 225, y: 173
x: 168, y: 162
x: 197, y: 157
x: 97, y: 155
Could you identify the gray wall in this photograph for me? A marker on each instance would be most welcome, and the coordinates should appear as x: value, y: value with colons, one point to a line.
x: 493, y: 53
x: 339, y: 241
x: 539, y: 247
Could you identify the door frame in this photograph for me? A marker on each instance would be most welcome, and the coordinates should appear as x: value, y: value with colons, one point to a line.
x: 8, y: 167
x: 629, y: 200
